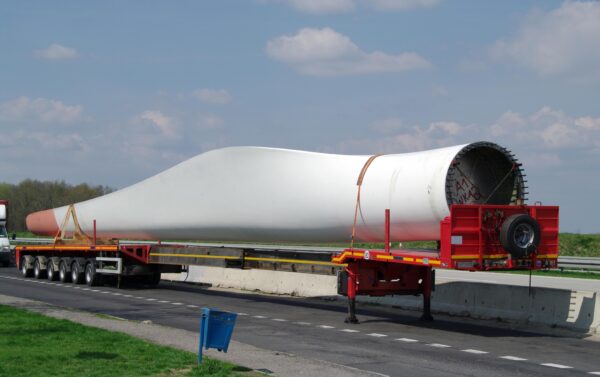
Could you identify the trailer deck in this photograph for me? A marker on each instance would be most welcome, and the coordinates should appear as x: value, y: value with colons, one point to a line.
x: 473, y: 237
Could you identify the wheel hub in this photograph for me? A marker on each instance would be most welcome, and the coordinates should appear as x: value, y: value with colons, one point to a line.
x: 524, y: 235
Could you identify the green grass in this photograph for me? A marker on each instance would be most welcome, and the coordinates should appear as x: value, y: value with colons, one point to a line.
x: 579, y: 245
x: 35, y: 345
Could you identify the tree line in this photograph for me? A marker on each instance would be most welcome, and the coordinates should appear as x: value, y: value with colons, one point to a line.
x: 32, y: 195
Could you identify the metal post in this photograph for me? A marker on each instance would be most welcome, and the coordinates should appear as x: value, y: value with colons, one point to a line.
x: 351, y: 294
x: 427, y: 288
x: 387, y: 230
x: 203, y: 329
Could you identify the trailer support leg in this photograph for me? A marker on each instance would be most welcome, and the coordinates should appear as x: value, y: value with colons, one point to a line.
x: 351, y: 312
x: 427, y: 288
x: 351, y: 295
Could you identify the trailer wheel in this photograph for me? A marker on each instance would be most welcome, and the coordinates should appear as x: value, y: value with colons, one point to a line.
x: 520, y: 235
x: 91, y: 277
x: 77, y: 275
x: 63, y: 273
x: 153, y: 279
x: 38, y: 273
x: 51, y: 271
x: 26, y: 272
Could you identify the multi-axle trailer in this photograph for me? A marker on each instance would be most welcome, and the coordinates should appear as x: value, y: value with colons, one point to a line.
x: 474, y: 237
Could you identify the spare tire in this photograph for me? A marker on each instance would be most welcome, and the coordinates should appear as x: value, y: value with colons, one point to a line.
x: 520, y: 235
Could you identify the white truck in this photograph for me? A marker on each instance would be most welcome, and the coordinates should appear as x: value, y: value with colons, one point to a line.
x: 5, y: 252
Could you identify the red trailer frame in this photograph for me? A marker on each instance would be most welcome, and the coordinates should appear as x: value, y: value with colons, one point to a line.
x: 473, y: 237
x: 470, y: 239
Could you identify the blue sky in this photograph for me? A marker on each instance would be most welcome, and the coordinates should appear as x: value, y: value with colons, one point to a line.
x: 111, y: 92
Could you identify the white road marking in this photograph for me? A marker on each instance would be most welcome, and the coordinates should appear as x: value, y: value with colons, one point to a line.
x: 477, y: 352
x: 377, y: 335
x: 127, y: 296
x: 279, y: 320
x: 407, y: 340
x: 140, y: 297
x: 95, y: 290
x: 105, y: 292
x: 438, y: 345
x: 242, y: 314
x: 76, y: 287
x: 349, y: 330
x: 513, y: 358
x: 150, y: 299
x: 85, y: 289
x: 163, y: 302
x: 176, y: 303
x: 259, y: 316
x: 192, y: 306
x: 559, y: 366
x: 326, y: 327
x: 303, y: 323
x: 595, y: 373
x: 117, y: 294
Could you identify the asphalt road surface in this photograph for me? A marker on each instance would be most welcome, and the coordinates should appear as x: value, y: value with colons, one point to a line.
x: 390, y: 342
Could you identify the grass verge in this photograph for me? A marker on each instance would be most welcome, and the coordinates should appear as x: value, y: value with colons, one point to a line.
x: 35, y: 345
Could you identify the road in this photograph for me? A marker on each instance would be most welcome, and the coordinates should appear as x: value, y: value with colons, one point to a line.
x: 389, y: 342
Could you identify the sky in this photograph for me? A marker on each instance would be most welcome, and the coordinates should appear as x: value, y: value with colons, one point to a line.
x: 112, y: 92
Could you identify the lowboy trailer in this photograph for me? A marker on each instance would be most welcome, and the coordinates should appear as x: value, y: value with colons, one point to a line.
x: 474, y: 237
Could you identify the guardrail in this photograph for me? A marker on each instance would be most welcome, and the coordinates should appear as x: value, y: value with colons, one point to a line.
x: 579, y: 263
x: 564, y: 263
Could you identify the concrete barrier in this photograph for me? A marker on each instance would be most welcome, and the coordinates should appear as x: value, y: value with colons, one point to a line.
x: 574, y: 310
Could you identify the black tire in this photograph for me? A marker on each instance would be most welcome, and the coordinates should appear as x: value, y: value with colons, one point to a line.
x: 38, y: 273
x: 77, y: 274
x: 91, y: 277
x: 153, y: 279
x: 63, y: 273
x: 51, y: 272
x: 26, y: 272
x: 520, y: 235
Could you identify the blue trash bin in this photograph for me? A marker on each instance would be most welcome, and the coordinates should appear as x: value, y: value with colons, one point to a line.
x: 216, y: 327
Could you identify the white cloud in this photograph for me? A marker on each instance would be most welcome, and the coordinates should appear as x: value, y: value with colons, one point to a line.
x: 210, y: 122
x: 588, y: 123
x: 401, y: 4
x: 399, y: 137
x: 550, y: 128
x: 325, y: 52
x: 213, y: 96
x: 24, y: 109
x: 542, y: 138
x: 163, y: 123
x: 507, y: 123
x: 56, y: 52
x: 321, y: 6
x: 343, y: 6
x: 561, y: 41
